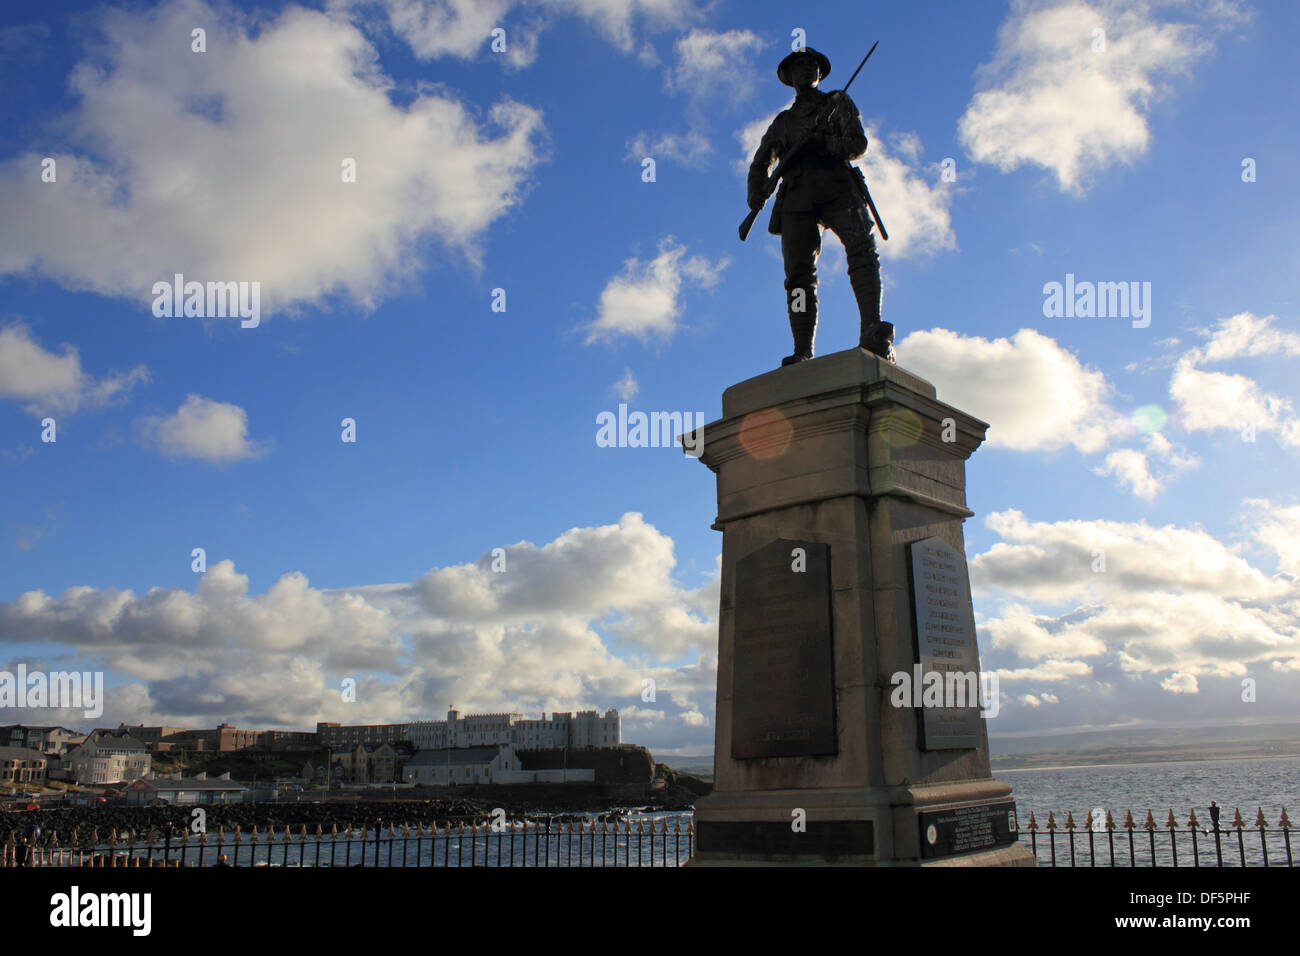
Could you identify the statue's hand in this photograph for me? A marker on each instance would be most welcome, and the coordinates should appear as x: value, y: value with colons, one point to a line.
x: 756, y: 201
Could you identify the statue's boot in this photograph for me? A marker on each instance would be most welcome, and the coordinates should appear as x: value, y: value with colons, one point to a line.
x: 876, y: 336
x: 803, y: 323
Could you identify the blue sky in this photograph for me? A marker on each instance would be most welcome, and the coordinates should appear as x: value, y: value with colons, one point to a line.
x: 1112, y: 157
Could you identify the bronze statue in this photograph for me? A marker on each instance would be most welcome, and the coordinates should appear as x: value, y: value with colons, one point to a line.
x: 813, y: 143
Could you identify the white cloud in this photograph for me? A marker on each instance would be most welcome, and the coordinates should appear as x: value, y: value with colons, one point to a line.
x: 1170, y: 603
x: 1034, y: 394
x: 462, y: 28
x: 915, y: 212
x: 1131, y: 467
x: 643, y: 302
x: 1179, y: 683
x: 714, y: 65
x: 691, y: 148
x: 1210, y: 401
x: 227, y: 166
x: 204, y: 429
x: 626, y: 387
x: 534, y: 637
x: 1277, y: 527
x: 1051, y: 100
x: 50, y: 383
x: 714, y: 71
x: 1245, y: 335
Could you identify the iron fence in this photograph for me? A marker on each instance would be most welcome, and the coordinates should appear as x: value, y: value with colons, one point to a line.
x: 620, y: 843
x: 1167, y: 844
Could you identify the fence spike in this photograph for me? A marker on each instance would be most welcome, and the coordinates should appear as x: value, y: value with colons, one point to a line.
x: 1069, y: 820
x: 1110, y: 821
x: 1284, y: 823
x: 1191, y: 819
x: 1051, y: 821
x: 1128, y: 822
x: 1150, y: 823
x: 1259, y: 819
x: 1171, y: 823
x: 1237, y: 822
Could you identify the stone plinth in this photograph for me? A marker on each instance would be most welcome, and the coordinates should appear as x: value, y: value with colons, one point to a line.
x: 843, y: 462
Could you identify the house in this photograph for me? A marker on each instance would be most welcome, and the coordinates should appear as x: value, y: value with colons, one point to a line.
x: 461, y: 765
x: 51, y: 741
x: 107, y: 756
x: 21, y: 765
x: 370, y: 763
x: 185, y: 790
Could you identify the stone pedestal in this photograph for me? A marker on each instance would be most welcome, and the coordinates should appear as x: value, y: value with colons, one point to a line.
x: 828, y: 472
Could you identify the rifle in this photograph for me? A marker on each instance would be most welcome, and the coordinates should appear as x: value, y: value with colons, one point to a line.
x: 781, y: 167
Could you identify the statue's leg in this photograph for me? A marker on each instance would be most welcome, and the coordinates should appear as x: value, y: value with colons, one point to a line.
x: 800, y: 243
x: 852, y: 224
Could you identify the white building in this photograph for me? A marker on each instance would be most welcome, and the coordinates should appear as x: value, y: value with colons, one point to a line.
x: 463, y: 765
x: 107, y: 756
x: 561, y: 731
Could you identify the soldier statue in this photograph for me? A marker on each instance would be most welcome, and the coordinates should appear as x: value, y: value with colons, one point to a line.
x: 819, y: 187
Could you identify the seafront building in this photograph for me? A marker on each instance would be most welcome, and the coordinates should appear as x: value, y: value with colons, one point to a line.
x: 107, y: 756
x: 562, y: 731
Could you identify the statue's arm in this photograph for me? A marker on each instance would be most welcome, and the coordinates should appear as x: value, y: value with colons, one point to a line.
x: 759, y: 169
x: 848, y: 140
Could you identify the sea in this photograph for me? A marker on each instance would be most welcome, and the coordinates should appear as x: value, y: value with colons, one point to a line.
x: 1248, y: 785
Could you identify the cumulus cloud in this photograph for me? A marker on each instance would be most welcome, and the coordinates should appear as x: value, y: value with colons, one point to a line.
x: 714, y: 64
x: 203, y: 429
x: 691, y: 148
x: 1244, y: 335
x: 1212, y: 401
x: 1115, y: 622
x: 1034, y: 394
x: 1062, y: 97
x: 714, y: 71
x: 228, y: 166
x: 626, y: 387
x: 49, y: 383
x: 644, y: 301
x: 1276, y: 528
x: 1169, y: 603
x: 538, y: 635
x: 462, y: 28
x: 1132, y: 468
x: 916, y: 211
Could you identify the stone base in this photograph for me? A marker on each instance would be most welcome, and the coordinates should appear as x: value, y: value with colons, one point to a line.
x: 1015, y: 855
x: 838, y: 468
x: 842, y: 826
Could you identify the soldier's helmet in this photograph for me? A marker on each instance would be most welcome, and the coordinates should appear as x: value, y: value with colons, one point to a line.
x: 783, y: 69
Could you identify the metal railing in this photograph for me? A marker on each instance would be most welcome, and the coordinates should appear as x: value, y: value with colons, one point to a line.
x: 1167, y: 844
x: 621, y: 843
